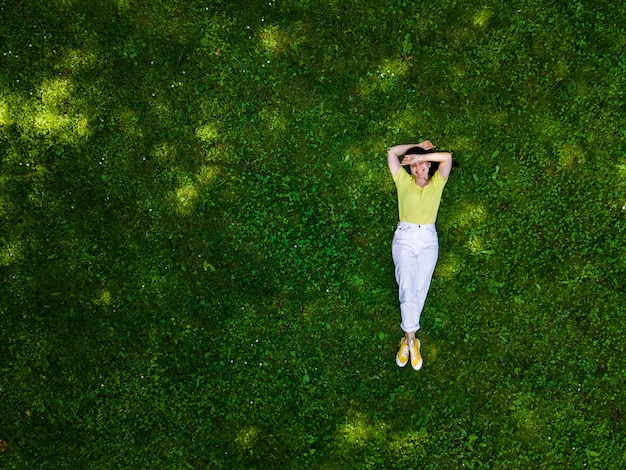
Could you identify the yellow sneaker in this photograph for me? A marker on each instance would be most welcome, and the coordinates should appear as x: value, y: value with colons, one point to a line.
x: 416, y: 357
x: 403, y: 353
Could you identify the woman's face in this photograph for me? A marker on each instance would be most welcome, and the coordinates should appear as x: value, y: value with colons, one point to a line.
x: 420, y: 169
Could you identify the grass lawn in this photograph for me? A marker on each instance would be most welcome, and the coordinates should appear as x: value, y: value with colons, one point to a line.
x: 196, y: 219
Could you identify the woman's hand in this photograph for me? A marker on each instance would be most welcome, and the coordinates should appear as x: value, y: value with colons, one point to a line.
x: 426, y: 145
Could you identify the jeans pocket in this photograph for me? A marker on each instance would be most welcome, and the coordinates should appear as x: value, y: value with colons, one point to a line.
x: 432, y: 234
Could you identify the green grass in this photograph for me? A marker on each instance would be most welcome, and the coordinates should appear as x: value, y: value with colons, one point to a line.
x: 196, y: 222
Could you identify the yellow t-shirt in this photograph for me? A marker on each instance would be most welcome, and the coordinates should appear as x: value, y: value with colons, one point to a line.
x: 418, y: 205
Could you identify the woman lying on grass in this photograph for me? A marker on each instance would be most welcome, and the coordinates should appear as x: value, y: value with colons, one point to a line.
x: 415, y: 245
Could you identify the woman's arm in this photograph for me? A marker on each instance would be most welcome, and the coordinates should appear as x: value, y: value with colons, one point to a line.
x: 444, y: 159
x: 395, y: 152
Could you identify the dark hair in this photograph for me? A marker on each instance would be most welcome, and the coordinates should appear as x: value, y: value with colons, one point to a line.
x: 420, y: 151
x: 417, y: 151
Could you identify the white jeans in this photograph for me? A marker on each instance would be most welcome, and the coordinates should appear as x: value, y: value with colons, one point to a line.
x: 415, y: 250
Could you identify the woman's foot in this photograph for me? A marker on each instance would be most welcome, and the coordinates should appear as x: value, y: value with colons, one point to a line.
x: 416, y: 357
x: 403, y: 353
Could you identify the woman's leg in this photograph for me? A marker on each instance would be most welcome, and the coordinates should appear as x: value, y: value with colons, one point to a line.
x: 406, y: 272
x: 415, y: 254
x: 426, y: 262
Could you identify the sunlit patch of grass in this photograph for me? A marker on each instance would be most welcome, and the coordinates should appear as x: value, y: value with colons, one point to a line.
x: 5, y: 117
x: 207, y: 174
x: 365, y: 171
x: 54, y: 92
x: 570, y: 154
x: 471, y: 214
x: 482, y: 17
x: 449, y: 266
x: 546, y: 126
x: 409, y: 119
x: 475, y: 244
x: 357, y: 430
x: 273, y: 39
x: 463, y: 144
x: 47, y: 121
x: 105, y: 297
x: 54, y: 114
x: 384, y: 78
x: 459, y: 70
x: 275, y: 120
x: 409, y: 441
x: 207, y: 133
x: 526, y: 416
x: 246, y: 437
x: 11, y: 252
x: 185, y: 197
x: 561, y: 70
x: 498, y: 118
x: 68, y: 128
x: 364, y: 168
x: 163, y: 151
x: 161, y: 108
x: 77, y: 59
